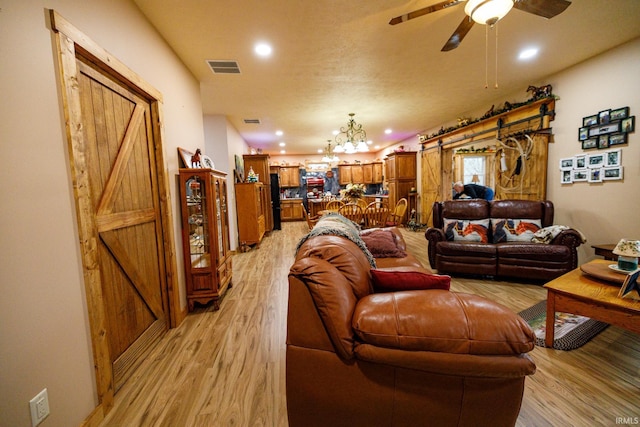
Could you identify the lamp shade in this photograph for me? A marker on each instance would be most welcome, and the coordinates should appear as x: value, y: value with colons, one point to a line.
x: 627, y: 248
x: 488, y: 12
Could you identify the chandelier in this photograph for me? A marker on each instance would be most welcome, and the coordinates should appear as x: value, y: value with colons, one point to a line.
x: 329, y: 156
x: 351, y: 139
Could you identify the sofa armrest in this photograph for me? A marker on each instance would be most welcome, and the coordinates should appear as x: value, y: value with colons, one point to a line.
x: 433, y: 236
x: 440, y: 321
x: 572, y: 239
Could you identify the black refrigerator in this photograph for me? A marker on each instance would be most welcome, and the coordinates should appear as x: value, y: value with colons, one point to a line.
x: 275, y: 201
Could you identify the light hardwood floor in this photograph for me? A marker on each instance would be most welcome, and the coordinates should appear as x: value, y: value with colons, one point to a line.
x: 227, y: 367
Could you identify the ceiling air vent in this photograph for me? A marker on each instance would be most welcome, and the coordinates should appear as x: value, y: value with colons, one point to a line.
x: 252, y: 121
x: 223, y: 67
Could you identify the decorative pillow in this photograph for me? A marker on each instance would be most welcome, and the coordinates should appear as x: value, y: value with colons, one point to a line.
x: 514, y: 230
x: 467, y: 230
x: 394, y: 279
x: 382, y: 244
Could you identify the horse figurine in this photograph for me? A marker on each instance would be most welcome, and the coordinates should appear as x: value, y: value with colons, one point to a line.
x: 539, y: 92
x: 195, y: 159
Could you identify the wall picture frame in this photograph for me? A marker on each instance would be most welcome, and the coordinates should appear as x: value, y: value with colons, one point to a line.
x: 567, y: 163
x: 579, y: 175
x: 583, y: 133
x: 185, y: 158
x: 566, y: 177
x: 580, y: 161
x: 612, y: 173
x: 628, y: 124
x: 603, y: 141
x: 595, y: 175
x: 604, y: 129
x: 595, y: 160
x: 613, y: 158
x: 590, y: 143
x: 619, y: 113
x: 604, y: 116
x: 617, y: 139
x: 590, y: 120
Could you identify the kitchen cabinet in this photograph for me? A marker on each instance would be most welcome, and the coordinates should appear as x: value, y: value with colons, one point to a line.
x: 372, y: 173
x: 368, y: 173
x: 205, y: 235
x: 291, y: 209
x: 289, y: 176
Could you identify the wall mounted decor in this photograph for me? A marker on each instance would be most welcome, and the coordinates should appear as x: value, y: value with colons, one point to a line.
x: 605, y: 129
x: 593, y: 168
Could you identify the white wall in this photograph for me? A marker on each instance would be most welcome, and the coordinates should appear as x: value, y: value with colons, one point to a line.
x: 44, y: 333
x: 222, y: 144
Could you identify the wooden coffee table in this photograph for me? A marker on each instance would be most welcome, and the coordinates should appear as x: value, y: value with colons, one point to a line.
x: 578, y: 293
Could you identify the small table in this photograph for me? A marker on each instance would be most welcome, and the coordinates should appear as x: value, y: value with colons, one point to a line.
x: 606, y: 251
x: 584, y: 295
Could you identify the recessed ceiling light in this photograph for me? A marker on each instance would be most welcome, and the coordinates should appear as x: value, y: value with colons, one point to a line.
x: 282, y: 151
x: 387, y: 131
x: 377, y: 147
x: 369, y: 142
x: 528, y: 53
x: 335, y: 132
x: 320, y: 150
x: 282, y: 144
x: 263, y: 49
x: 279, y: 133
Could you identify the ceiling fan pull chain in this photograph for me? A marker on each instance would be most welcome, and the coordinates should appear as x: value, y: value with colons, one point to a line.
x: 496, y: 84
x: 486, y: 56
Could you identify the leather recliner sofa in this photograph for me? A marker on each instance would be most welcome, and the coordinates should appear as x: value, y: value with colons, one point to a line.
x: 406, y: 358
x: 512, y: 259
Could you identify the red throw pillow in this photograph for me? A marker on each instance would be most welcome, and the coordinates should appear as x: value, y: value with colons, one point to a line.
x: 393, y: 279
x: 382, y: 244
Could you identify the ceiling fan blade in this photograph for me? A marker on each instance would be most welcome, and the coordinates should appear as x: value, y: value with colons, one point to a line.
x: 459, y: 34
x: 424, y: 11
x: 545, y: 8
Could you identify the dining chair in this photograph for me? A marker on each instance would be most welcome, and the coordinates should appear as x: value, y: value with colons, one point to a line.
x: 352, y: 211
x: 397, y: 216
x: 333, y: 205
x: 376, y: 214
x: 311, y: 220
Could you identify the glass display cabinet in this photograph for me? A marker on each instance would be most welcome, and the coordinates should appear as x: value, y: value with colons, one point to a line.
x: 205, y: 235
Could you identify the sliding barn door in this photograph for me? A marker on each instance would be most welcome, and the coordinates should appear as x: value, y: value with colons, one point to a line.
x: 124, y: 204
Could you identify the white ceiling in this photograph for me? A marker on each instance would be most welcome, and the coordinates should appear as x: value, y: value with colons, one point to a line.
x: 334, y: 57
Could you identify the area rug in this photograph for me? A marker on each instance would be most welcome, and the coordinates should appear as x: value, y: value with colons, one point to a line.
x: 571, y: 331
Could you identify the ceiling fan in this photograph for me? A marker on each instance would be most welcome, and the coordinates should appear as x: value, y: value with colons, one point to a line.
x: 486, y: 12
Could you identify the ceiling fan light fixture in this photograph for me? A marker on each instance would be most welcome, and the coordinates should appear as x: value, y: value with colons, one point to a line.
x: 487, y: 12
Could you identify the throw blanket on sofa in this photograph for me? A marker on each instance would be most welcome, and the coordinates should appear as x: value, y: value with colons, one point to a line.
x: 334, y: 224
x: 547, y: 234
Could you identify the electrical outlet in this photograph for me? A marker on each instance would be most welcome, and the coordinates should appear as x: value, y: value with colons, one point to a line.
x: 39, y: 406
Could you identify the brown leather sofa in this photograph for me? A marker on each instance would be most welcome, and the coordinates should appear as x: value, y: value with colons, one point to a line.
x: 525, y: 260
x: 407, y: 358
